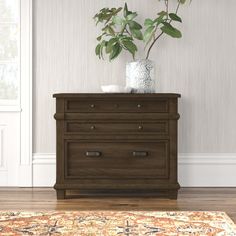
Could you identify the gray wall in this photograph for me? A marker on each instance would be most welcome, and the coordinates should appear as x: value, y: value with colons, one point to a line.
x: 201, y: 66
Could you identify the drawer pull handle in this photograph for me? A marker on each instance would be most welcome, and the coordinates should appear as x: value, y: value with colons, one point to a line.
x: 93, y: 154
x: 92, y: 105
x: 139, y: 105
x: 140, y: 127
x: 92, y: 127
x: 140, y: 154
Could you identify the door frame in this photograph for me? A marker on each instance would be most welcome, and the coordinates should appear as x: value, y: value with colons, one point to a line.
x: 26, y: 98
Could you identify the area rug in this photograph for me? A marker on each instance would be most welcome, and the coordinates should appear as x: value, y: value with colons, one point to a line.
x: 121, y: 223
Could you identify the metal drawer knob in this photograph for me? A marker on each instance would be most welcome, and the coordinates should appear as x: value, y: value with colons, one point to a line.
x: 92, y: 127
x: 139, y: 105
x: 92, y: 105
x: 140, y: 127
x: 93, y: 154
x: 140, y: 154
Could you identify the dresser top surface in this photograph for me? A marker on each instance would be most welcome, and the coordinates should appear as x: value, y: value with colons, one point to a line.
x: 116, y: 95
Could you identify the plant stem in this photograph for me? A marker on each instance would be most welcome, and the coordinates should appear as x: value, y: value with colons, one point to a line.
x: 177, y: 9
x: 155, y: 39
x: 123, y: 29
x: 128, y: 32
x: 167, y: 8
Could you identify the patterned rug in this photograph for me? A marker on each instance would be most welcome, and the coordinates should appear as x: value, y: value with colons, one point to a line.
x: 107, y: 223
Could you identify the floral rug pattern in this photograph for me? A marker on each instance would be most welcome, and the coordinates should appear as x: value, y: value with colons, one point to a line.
x: 120, y: 223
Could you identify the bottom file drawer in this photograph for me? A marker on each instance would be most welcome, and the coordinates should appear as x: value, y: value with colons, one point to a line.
x: 117, y: 159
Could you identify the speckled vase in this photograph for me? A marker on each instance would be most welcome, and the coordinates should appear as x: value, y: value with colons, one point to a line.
x: 140, y: 76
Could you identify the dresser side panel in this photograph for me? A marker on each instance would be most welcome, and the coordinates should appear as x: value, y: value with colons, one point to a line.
x: 60, y: 107
x: 173, y: 131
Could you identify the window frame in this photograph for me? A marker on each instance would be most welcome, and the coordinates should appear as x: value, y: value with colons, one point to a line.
x: 14, y: 104
x: 24, y: 107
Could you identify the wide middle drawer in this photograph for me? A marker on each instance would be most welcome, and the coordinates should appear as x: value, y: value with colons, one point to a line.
x: 158, y: 127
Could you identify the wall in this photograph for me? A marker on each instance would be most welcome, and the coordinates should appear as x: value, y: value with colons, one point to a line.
x: 200, y: 66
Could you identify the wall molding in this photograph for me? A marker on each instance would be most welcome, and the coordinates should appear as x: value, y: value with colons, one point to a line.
x: 207, y: 158
x: 44, y: 169
x: 44, y: 158
x: 195, y: 169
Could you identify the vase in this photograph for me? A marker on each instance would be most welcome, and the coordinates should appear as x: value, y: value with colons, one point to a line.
x: 140, y: 76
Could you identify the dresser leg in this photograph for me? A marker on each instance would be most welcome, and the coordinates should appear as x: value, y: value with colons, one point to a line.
x: 61, y: 194
x: 173, y: 194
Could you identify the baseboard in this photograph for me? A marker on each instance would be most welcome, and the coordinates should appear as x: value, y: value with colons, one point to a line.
x: 44, y: 169
x: 207, y: 170
x: 195, y: 169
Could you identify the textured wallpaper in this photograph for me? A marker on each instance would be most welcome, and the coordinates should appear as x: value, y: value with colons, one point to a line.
x: 201, y: 66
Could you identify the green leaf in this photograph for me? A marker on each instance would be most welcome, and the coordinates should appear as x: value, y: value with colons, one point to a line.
x: 110, y: 44
x: 97, y: 50
x: 130, y: 46
x: 182, y: 1
x: 137, y: 34
x: 126, y: 10
x: 162, y: 13
x: 160, y: 18
x: 148, y: 22
x: 125, y: 38
x: 134, y: 25
x: 148, y: 33
x: 103, y: 44
x: 116, y: 50
x: 117, y: 20
x: 109, y: 30
x: 115, y: 11
x: 131, y: 16
x: 175, y: 17
x: 106, y: 15
x: 99, y: 38
x: 170, y: 30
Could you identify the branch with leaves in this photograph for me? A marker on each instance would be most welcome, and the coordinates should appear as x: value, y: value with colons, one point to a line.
x: 120, y: 32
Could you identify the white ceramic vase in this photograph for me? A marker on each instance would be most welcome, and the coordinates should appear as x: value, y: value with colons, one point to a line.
x: 140, y: 76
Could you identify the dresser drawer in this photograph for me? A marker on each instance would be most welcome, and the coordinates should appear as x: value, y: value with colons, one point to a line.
x: 116, y: 159
x: 158, y: 127
x: 90, y: 105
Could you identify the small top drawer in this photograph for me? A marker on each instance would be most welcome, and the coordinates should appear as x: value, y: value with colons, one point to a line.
x: 92, y: 105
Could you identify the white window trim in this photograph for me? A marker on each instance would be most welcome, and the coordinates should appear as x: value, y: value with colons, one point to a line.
x: 25, y: 162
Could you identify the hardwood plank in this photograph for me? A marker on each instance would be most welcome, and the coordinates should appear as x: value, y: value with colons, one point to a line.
x: 189, y: 199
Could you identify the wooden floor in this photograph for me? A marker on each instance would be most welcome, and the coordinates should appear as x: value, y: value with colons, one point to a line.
x: 192, y: 199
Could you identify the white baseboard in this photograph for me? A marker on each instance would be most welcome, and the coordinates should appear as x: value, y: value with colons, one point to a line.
x: 207, y: 170
x: 44, y: 169
x: 195, y: 169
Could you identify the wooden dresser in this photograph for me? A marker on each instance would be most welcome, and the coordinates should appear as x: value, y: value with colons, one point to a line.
x: 122, y: 144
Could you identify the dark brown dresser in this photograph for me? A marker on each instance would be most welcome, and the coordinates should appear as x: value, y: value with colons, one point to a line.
x: 117, y: 144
